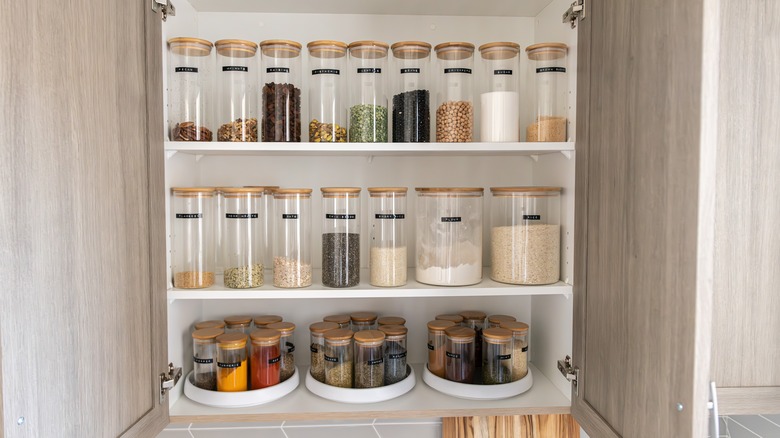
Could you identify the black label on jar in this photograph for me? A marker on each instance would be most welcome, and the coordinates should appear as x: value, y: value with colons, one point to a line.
x: 369, y: 70
x: 289, y: 216
x: 410, y: 70
x: 235, y: 68
x: 339, y: 216
x: 202, y: 360
x: 524, y: 349
x: 228, y: 364
x: 551, y: 69
x: 277, y: 70
x: 314, y: 349
x: 331, y: 359
x: 186, y: 69
x: 504, y: 356
x: 390, y: 216
x: 397, y: 355
x: 241, y: 215
x: 451, y: 219
x: 275, y: 360
x: 325, y: 71
x: 502, y: 72
x: 431, y: 347
x: 189, y: 215
x: 457, y: 70
x: 532, y: 217
x: 290, y: 347
x: 453, y: 355
x: 376, y: 361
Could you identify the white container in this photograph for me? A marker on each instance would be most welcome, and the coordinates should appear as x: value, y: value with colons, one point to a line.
x: 362, y: 395
x: 240, y: 399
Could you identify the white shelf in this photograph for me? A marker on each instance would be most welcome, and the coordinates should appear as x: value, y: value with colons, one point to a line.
x: 420, y: 402
x: 412, y: 289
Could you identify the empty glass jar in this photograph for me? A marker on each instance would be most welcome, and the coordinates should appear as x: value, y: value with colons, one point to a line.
x: 192, y: 239
x: 341, y: 236
x: 232, y: 363
x: 497, y: 359
x: 327, y: 91
x: 242, y: 242
x: 281, y: 94
x: 387, y: 258
x: 459, y: 363
x: 519, y: 348
x: 548, y: 66
x: 287, y: 347
x: 500, y: 103
x: 411, y: 92
x: 437, y: 346
x: 455, y: 96
x: 394, y: 352
x: 189, y: 85
x: 317, y: 332
x: 363, y: 321
x: 367, y: 101
x: 236, y: 88
x: 204, y: 356
x: 292, y: 247
x: 265, y: 359
x: 339, y: 358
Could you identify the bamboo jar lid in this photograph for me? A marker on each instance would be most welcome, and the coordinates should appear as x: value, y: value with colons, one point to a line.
x: 473, y: 315
x: 232, y: 341
x: 238, y: 320
x: 393, y: 330
x: 369, y: 337
x: 391, y: 320
x: 515, y: 326
x: 322, y: 327
x: 363, y: 316
x: 338, y: 319
x: 264, y: 320
x: 285, y: 328
x: 496, y: 334
x: 457, y: 319
x: 207, y: 333
x: 498, y: 319
x: 460, y: 334
x: 209, y: 324
x: 440, y: 325
x: 265, y: 335
x: 339, y: 335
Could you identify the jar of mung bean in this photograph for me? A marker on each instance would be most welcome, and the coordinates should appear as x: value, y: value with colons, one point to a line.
x: 367, y: 101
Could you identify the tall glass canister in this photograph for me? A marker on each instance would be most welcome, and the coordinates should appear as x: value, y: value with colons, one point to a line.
x: 548, y: 66
x: 189, y: 89
x: 341, y: 236
x: 292, y: 239
x: 367, y: 100
x: 236, y: 83
x: 387, y: 260
x: 411, y: 92
x: 192, y: 250
x: 204, y: 357
x: 339, y: 364
x: 500, y: 103
x: 281, y: 94
x: 327, y: 91
x: 455, y: 94
x: 242, y: 244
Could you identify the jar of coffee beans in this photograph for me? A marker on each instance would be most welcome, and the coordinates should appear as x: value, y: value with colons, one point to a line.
x: 367, y: 100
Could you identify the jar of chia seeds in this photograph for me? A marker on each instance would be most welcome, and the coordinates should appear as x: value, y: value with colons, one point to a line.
x: 394, y: 353
x: 363, y: 321
x: 367, y: 100
x: 286, y: 346
x: 437, y: 347
x: 548, y: 68
x: 455, y: 94
x: 387, y: 256
x: 339, y: 358
x: 204, y: 357
x: 341, y: 236
x: 189, y: 86
x: 317, y: 333
x: 281, y: 93
x: 327, y: 91
x: 192, y: 237
x: 369, y: 359
x: 459, y: 361
x: 411, y: 92
x: 497, y: 361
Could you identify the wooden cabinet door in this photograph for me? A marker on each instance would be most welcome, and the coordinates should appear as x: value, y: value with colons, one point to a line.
x: 640, y: 340
x: 83, y: 322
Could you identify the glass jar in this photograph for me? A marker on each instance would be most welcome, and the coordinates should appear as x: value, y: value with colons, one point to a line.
x: 189, y: 85
x: 232, y: 362
x: 317, y: 333
x: 455, y: 95
x: 459, y: 363
x: 342, y: 320
x: 500, y: 103
x: 390, y: 320
x: 548, y: 65
x: 242, y: 245
x: 265, y: 359
x: 475, y: 320
x: 363, y: 321
x: 394, y: 352
x: 369, y: 359
x: 525, y: 237
x: 204, y: 353
x: 287, y: 347
x: 457, y: 319
x: 437, y: 341
x: 268, y: 223
x: 281, y: 70
x: 497, y: 361
x: 519, y: 348
x: 341, y: 236
x: 387, y: 260
x: 262, y: 321
x: 449, y: 236
x: 209, y: 324
x: 236, y: 98
x: 192, y: 240
x: 338, y: 358
x: 238, y: 324
x: 411, y: 92
x: 367, y: 101
x: 327, y: 91
x: 496, y: 320
x: 292, y: 239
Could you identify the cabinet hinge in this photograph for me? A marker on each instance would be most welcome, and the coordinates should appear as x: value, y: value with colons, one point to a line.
x: 575, y: 12
x: 164, y: 6
x: 571, y: 372
x: 168, y: 380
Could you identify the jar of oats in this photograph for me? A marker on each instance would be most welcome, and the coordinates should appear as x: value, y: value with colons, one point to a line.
x: 292, y: 247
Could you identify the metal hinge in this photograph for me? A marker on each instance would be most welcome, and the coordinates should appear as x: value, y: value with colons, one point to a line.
x: 169, y: 380
x: 575, y: 12
x: 164, y: 6
x: 569, y: 371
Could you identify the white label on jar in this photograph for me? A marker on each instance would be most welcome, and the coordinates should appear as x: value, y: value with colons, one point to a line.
x: 289, y: 216
x: 504, y: 356
x: 241, y: 215
x: 410, y: 70
x: 551, y: 69
x: 202, y: 360
x: 390, y: 216
x: 189, y: 215
x: 451, y: 219
x: 453, y: 355
x: 457, y: 70
x: 376, y: 361
x: 331, y: 359
x: 186, y: 69
x: 235, y: 68
x: 502, y: 72
x: 369, y: 70
x: 277, y: 70
x: 228, y: 364
x: 339, y: 216
x: 325, y: 71
x: 532, y: 217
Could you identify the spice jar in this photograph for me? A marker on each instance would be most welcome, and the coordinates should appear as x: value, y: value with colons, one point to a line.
x: 497, y: 359
x: 449, y: 236
x: 390, y: 320
x: 548, y: 65
x: 209, y: 324
x: 496, y: 320
x: 341, y: 236
x: 238, y: 324
x: 411, y: 98
x: 369, y: 359
x: 317, y: 332
x: 204, y: 354
x: 363, y: 321
x: 387, y: 261
x: 268, y: 214
x: 281, y: 70
x: 455, y: 107
x: 192, y: 254
x: 437, y: 341
x: 394, y: 353
x: 367, y: 101
x: 265, y: 360
x: 474, y: 319
x: 342, y: 320
x: 292, y: 247
x: 327, y: 91
x: 525, y: 237
x: 262, y: 321
x: 338, y: 358
x: 519, y: 348
x: 287, y: 347
x: 457, y: 319
x: 242, y: 245
x: 459, y: 363
x: 236, y: 99
x: 500, y: 103
x: 231, y: 362
x: 189, y: 83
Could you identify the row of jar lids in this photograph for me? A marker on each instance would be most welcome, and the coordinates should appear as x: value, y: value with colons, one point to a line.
x: 355, y: 191
x: 265, y: 320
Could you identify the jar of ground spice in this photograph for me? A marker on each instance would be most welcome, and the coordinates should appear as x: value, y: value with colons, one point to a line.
x: 236, y: 90
x: 209, y: 324
x: 189, y: 83
x: 455, y: 95
x: 496, y: 320
x: 232, y: 363
x: 457, y: 319
x: 341, y: 236
x: 367, y: 101
x: 437, y: 341
x: 411, y: 95
x: 519, y: 348
x: 342, y: 320
x: 292, y: 248
x: 265, y: 359
x: 327, y: 91
x: 339, y: 358
x: 317, y: 332
x: 192, y: 237
x: 242, y: 243
x: 390, y: 320
x: 369, y: 359
x: 395, y: 352
x: 548, y: 68
x: 459, y: 362
x: 474, y: 319
x: 204, y: 357
x: 387, y: 256
x: 497, y: 361
x: 287, y: 346
x: 281, y: 94
x: 238, y: 324
x: 363, y: 321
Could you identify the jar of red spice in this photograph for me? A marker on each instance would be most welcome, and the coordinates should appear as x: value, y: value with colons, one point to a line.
x: 265, y: 363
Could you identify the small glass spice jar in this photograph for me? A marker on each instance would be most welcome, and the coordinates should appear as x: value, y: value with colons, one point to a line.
x: 369, y: 359
x: 338, y: 358
x: 281, y: 94
x: 242, y: 242
x: 387, y: 256
x: 459, y: 364
x: 287, y: 347
x: 457, y: 319
x: 474, y: 319
x: 341, y: 236
x: 232, y: 363
x: 342, y: 320
x: 317, y: 333
x: 411, y: 92
x: 548, y: 67
x: 500, y: 103
x: 363, y: 321
x: 496, y: 320
x: 236, y: 98
x: 265, y: 359
x: 262, y: 321
x: 367, y: 101
x: 238, y: 324
x: 192, y: 239
x: 204, y: 357
x: 189, y: 85
x: 394, y: 352
x: 437, y: 345
x: 209, y: 324
x: 455, y: 97
x: 292, y: 247
x: 519, y: 348
x: 327, y: 91
x: 497, y: 361
x: 390, y: 320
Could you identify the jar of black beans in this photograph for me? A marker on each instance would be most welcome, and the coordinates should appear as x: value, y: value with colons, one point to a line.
x: 411, y: 120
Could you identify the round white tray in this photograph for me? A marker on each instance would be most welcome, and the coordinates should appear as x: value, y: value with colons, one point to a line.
x: 362, y: 395
x: 478, y: 392
x: 240, y: 399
